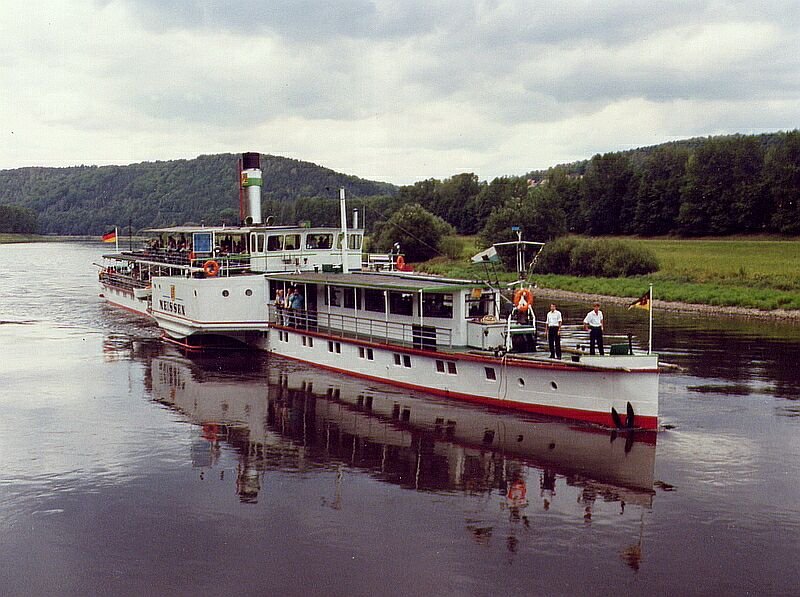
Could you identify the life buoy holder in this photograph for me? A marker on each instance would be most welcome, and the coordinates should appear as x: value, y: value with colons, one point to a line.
x: 211, y: 268
x: 400, y: 263
x: 518, y: 296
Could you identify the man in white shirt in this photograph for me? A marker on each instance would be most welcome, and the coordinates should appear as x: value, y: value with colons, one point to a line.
x: 594, y: 323
x: 554, y: 321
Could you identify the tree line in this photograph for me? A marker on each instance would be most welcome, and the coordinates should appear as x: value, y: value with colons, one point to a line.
x: 89, y: 200
x: 741, y: 184
x: 718, y: 186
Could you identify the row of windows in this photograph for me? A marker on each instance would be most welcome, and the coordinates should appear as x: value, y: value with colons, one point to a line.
x: 400, y: 360
x: 293, y: 242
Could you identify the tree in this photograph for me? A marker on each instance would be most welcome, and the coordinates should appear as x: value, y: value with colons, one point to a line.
x: 658, y: 196
x: 782, y: 178
x: 608, y: 194
x: 724, y: 191
x: 418, y: 231
x: 538, y: 214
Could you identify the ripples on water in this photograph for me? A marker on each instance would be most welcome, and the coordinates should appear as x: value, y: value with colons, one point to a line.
x: 130, y: 468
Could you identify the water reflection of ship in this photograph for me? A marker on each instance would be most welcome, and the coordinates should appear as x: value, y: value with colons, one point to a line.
x: 304, y: 418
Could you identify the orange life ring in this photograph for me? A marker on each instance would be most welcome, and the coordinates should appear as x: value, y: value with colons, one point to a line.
x: 523, y: 292
x: 400, y: 263
x: 211, y: 268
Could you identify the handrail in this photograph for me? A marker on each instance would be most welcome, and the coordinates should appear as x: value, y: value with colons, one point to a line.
x: 373, y: 330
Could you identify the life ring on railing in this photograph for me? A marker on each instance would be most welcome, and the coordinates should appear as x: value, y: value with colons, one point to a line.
x: 400, y: 263
x: 211, y: 268
x: 519, y: 295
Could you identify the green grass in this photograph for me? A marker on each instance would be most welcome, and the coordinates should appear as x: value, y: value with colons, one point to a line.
x: 18, y: 238
x: 760, y: 274
x: 767, y: 264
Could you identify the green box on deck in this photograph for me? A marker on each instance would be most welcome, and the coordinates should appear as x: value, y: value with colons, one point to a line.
x: 618, y: 349
x: 330, y: 268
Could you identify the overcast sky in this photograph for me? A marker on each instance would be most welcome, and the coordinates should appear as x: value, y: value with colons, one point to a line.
x: 397, y: 91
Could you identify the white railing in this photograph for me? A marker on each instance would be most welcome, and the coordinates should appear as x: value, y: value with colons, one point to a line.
x: 373, y: 330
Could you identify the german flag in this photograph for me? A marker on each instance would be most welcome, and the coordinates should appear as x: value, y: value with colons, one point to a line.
x: 642, y: 303
x: 110, y: 237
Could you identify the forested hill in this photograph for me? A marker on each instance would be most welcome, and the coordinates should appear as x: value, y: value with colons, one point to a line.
x: 92, y: 199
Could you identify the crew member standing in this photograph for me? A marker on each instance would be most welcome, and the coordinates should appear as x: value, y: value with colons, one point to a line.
x: 594, y: 323
x: 554, y: 321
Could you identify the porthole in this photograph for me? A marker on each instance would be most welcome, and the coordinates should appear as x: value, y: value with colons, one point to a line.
x: 248, y: 292
x: 521, y: 382
x: 225, y: 293
x: 195, y: 293
x: 554, y: 385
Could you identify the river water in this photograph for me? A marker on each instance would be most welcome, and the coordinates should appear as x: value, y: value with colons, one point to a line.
x: 131, y: 468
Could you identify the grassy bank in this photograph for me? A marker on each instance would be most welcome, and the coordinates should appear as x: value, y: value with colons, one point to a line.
x: 759, y: 274
x: 19, y: 238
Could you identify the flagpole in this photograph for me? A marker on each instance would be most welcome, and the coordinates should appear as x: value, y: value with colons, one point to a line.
x: 650, y: 310
x: 116, y: 239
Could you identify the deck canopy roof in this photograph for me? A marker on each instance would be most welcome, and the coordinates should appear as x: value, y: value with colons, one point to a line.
x: 189, y: 229
x: 396, y: 282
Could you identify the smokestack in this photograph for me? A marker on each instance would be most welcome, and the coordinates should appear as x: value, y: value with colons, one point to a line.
x: 251, y: 184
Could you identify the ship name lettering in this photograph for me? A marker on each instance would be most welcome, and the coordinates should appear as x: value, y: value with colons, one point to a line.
x: 170, y: 307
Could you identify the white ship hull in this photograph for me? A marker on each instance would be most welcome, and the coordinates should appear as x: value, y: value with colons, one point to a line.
x: 585, y: 391
x: 126, y: 299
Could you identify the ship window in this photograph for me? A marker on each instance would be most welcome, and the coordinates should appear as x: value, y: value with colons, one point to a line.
x: 406, y: 361
x: 292, y: 242
x: 304, y: 340
x: 354, y: 242
x: 401, y: 303
x: 397, y: 360
x: 225, y: 293
x: 248, y: 292
x: 330, y: 346
x: 310, y: 341
x: 338, y: 348
x: 451, y: 368
x: 440, y: 366
x: 260, y: 243
x: 319, y: 241
x: 275, y: 242
x: 361, y: 352
x: 333, y: 296
x: 370, y: 355
x: 491, y: 375
x: 374, y: 301
x: 437, y: 305
x: 352, y: 298
x: 479, y: 304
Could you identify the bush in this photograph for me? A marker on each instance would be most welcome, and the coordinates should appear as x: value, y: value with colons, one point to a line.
x: 596, y: 257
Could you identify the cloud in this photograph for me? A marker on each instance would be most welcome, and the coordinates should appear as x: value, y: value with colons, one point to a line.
x: 398, y: 91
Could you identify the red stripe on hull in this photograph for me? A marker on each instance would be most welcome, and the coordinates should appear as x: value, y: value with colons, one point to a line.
x: 598, y: 418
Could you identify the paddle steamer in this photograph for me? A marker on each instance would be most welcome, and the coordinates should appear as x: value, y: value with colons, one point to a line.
x: 438, y: 335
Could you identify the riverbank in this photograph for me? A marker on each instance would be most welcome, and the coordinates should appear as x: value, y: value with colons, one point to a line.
x: 792, y: 315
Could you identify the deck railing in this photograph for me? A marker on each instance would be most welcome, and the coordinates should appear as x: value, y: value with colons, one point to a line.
x: 372, y: 330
